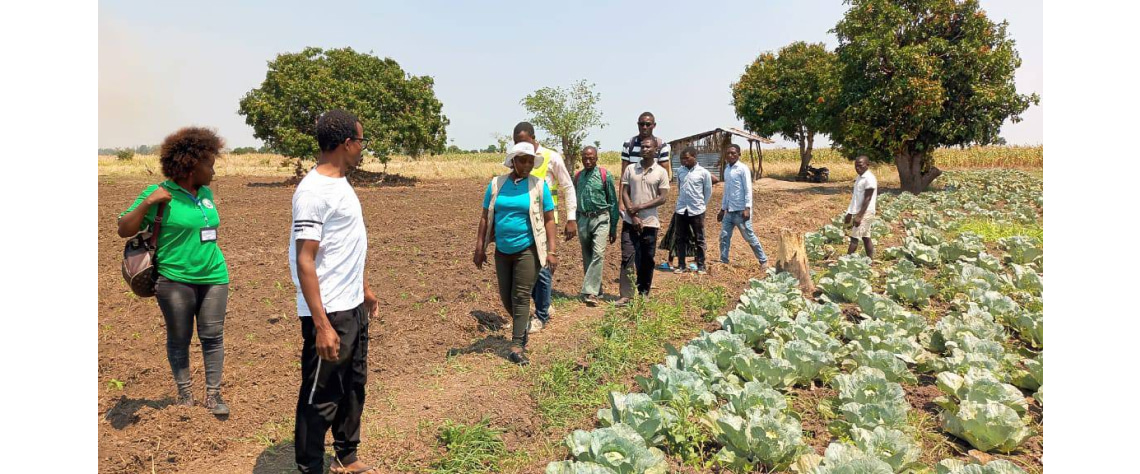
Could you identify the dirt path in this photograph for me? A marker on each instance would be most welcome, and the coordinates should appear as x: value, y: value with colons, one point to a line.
x: 435, y: 302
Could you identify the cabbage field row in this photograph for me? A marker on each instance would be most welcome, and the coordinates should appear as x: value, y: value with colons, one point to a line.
x: 945, y: 303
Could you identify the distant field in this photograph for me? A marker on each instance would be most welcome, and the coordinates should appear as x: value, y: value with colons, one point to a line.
x: 778, y: 163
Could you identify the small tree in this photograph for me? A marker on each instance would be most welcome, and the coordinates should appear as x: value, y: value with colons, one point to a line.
x: 125, y: 154
x: 502, y: 140
x: 923, y: 74
x: 793, y: 94
x: 566, y: 114
x: 399, y: 112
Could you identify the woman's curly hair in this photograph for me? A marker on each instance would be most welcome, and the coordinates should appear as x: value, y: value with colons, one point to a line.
x: 182, y: 150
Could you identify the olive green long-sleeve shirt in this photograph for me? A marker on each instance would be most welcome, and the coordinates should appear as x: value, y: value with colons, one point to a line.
x: 594, y: 195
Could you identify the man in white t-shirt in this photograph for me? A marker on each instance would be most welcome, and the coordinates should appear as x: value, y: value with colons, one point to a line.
x: 327, y: 247
x: 861, y: 211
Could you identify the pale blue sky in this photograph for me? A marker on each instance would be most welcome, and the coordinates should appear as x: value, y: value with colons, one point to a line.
x: 163, y: 65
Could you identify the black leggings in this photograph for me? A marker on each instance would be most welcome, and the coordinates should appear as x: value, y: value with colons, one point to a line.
x: 182, y: 305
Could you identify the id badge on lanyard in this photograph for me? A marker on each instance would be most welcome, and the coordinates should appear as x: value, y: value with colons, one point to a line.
x: 207, y: 233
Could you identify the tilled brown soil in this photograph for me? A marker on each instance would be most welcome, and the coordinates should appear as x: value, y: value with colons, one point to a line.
x: 434, y: 302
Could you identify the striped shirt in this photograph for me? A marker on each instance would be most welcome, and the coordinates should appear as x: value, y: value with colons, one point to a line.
x: 631, y: 150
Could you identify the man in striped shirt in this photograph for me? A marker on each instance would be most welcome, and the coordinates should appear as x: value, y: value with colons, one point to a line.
x: 631, y: 149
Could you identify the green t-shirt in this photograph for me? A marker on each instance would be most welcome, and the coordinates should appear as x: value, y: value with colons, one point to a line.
x: 182, y: 255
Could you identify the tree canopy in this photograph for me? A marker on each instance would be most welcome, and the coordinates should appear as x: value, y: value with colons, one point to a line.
x: 921, y: 74
x: 792, y: 93
x: 567, y: 114
x: 398, y: 111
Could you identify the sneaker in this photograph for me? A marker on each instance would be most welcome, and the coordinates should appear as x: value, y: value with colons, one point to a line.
x: 590, y: 300
x: 702, y: 271
x: 693, y: 267
x: 664, y: 266
x: 185, y: 398
x: 763, y: 267
x: 536, y: 325
x: 216, y: 405
x: 518, y: 358
x: 623, y: 301
x: 678, y: 271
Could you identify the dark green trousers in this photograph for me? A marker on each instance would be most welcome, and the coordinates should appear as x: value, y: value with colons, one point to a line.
x: 517, y: 273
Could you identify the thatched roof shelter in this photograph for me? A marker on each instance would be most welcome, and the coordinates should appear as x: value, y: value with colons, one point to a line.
x: 711, y: 145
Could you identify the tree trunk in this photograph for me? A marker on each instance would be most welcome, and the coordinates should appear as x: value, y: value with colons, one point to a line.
x: 805, y: 154
x: 791, y: 257
x: 570, y: 155
x: 912, y: 177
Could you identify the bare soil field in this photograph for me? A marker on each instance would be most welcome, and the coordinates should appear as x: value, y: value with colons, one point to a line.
x: 434, y: 303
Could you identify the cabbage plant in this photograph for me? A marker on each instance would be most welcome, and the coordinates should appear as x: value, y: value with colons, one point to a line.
x: 668, y: 384
x: 868, y: 400
x: 772, y: 440
x: 892, y: 366
x: 892, y: 446
x: 775, y: 372
x: 844, y: 287
x: 983, y: 411
x: 752, y: 328
x: 957, y: 466
x: 966, y: 245
x: 841, y: 458
x: 649, y: 419
x: 853, y: 264
x: 910, y: 290
x: 1022, y: 250
x: 618, y: 448
x: 577, y: 467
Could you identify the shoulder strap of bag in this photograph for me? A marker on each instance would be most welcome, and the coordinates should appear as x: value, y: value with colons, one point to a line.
x: 157, y: 225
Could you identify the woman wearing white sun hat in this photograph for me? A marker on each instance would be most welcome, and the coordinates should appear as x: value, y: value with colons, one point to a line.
x: 518, y: 216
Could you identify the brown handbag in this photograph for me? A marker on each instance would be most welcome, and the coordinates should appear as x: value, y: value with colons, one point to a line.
x: 140, y: 265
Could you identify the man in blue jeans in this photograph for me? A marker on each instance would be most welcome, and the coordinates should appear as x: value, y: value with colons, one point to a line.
x: 736, y: 208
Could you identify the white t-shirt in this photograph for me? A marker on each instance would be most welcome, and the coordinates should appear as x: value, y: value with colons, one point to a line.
x: 862, y: 184
x: 327, y: 210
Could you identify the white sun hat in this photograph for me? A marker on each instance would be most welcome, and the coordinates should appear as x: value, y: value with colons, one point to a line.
x: 521, y: 148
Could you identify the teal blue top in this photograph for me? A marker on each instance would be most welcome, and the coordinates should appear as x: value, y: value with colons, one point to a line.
x: 512, y: 214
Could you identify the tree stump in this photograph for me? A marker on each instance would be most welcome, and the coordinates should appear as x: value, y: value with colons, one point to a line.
x: 791, y: 257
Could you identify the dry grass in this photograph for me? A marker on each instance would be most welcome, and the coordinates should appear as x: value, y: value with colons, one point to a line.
x: 778, y: 163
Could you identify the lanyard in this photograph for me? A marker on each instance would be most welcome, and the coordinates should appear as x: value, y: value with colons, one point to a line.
x: 198, y: 203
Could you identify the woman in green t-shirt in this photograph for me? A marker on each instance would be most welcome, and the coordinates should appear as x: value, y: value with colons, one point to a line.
x: 193, y: 282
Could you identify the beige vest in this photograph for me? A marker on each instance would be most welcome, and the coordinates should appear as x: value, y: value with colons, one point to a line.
x: 537, y: 222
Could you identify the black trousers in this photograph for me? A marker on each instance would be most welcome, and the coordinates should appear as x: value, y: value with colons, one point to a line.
x: 332, y: 393
x: 689, y: 227
x: 637, y: 249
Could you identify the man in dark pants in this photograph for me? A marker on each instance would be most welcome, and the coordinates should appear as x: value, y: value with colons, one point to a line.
x: 644, y: 186
x: 694, y: 189
x: 327, y: 249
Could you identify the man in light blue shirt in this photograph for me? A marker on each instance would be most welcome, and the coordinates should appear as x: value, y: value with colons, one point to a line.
x: 694, y: 184
x: 736, y: 207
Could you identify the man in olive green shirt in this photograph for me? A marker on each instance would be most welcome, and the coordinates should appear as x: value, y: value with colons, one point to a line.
x: 597, y: 217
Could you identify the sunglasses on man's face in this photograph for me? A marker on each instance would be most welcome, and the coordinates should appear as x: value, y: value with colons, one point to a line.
x: 645, y: 124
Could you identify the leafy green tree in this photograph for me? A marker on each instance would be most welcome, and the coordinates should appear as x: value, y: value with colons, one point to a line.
x: 566, y: 114
x: 399, y: 111
x: 792, y: 93
x: 492, y: 149
x: 923, y: 74
x: 125, y: 154
x: 243, y: 150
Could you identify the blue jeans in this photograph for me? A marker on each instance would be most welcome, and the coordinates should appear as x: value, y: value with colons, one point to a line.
x: 735, y: 220
x: 541, y: 295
